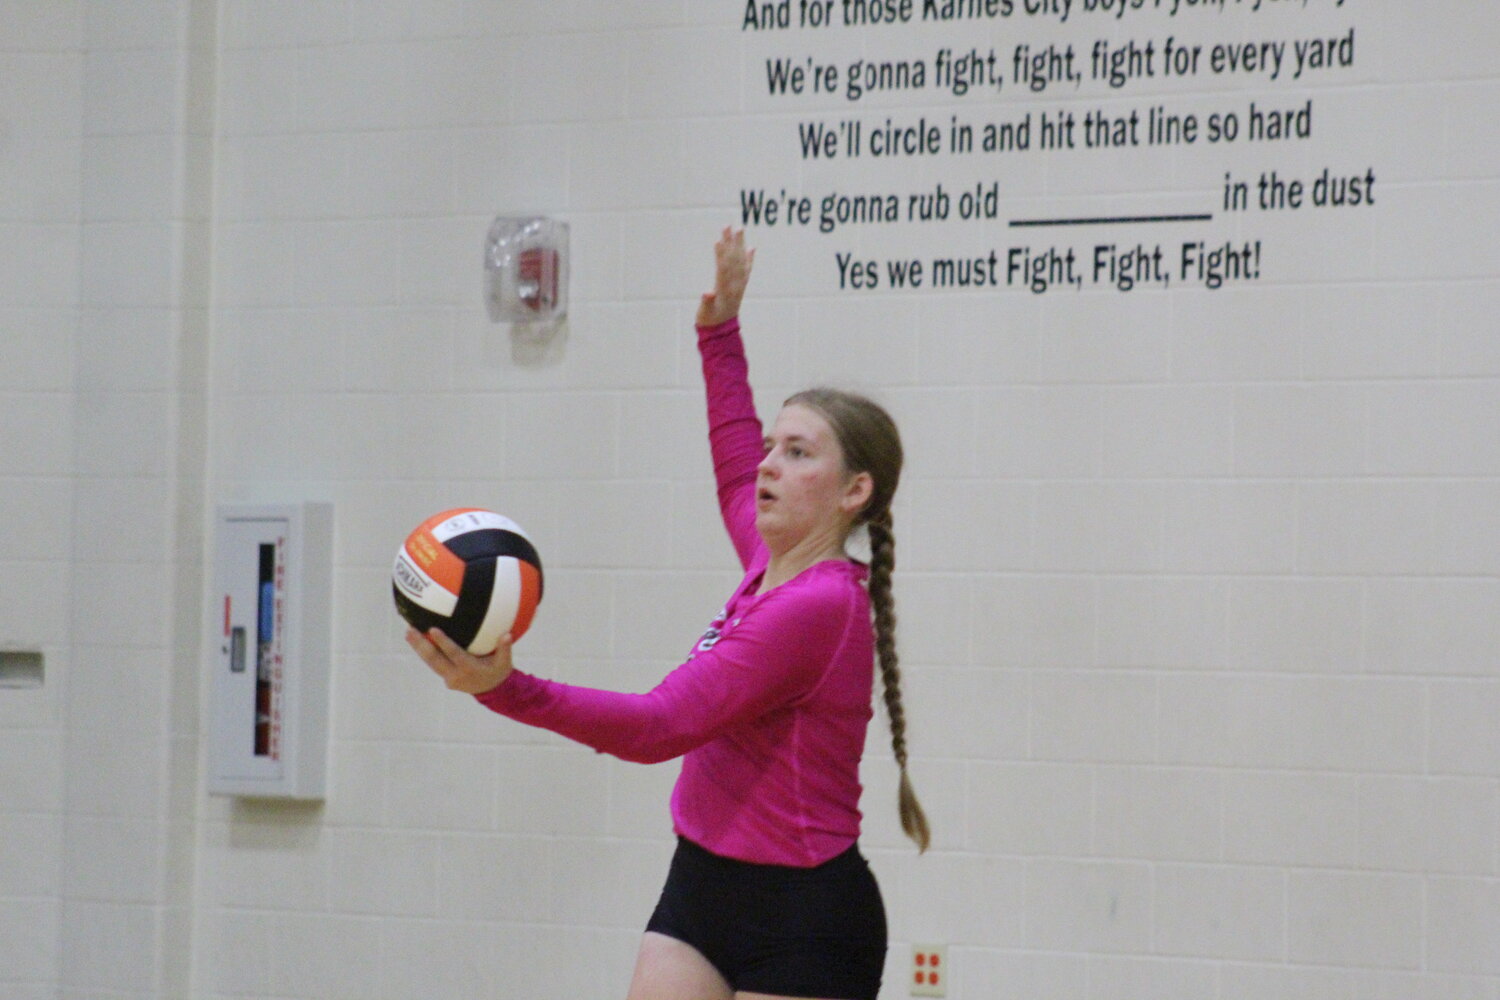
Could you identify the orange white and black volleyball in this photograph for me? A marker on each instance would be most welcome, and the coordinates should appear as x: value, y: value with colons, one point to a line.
x: 470, y: 572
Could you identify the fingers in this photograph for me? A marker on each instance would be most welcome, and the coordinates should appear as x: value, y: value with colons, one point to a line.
x: 460, y: 669
x: 729, y: 240
x: 419, y: 642
x: 449, y: 648
x: 732, y: 265
x: 732, y: 260
x: 428, y: 652
x: 439, y: 652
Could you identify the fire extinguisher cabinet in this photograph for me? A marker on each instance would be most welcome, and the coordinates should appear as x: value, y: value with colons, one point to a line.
x: 269, y: 611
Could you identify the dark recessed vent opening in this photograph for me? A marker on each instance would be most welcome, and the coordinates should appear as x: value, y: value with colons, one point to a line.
x: 21, y: 668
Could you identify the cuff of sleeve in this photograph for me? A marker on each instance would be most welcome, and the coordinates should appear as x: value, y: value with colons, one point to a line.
x: 730, y: 325
x: 505, y: 696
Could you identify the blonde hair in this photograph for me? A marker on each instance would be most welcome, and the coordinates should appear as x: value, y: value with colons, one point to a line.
x: 871, y: 443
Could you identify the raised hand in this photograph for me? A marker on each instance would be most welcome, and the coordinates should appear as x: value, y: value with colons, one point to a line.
x: 732, y: 265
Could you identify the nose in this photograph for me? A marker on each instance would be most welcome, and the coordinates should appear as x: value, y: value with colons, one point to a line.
x: 768, y: 465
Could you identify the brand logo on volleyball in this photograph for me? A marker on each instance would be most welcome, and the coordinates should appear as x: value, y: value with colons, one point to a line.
x: 408, y: 579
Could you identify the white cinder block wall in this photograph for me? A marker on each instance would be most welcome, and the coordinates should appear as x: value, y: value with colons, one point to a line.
x: 105, y: 134
x: 1198, y: 588
x: 41, y: 102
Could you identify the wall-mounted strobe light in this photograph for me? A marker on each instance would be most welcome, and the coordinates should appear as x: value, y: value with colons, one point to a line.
x: 526, y: 269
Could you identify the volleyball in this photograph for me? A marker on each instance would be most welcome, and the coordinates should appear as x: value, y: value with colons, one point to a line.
x: 470, y: 572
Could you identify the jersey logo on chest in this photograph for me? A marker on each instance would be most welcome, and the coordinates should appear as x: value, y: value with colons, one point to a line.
x: 716, y: 630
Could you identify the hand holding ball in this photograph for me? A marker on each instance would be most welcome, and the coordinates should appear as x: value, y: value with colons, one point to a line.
x: 472, y: 573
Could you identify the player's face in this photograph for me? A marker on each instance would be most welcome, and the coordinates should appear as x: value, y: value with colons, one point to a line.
x: 803, y: 491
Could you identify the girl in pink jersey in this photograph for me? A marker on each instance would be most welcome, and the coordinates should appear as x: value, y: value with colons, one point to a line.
x: 768, y: 895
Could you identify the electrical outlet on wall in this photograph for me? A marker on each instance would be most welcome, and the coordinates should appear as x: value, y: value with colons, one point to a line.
x: 929, y: 970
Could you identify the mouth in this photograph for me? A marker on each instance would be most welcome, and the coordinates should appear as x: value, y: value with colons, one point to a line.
x: 764, y: 496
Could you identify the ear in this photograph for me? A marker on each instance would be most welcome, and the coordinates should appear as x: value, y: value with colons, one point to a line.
x: 857, y: 493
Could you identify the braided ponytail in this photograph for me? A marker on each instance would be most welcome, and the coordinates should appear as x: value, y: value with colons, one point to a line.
x: 870, y: 443
x: 882, y: 606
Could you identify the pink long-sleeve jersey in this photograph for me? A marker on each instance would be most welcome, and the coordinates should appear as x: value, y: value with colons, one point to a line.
x: 770, y: 709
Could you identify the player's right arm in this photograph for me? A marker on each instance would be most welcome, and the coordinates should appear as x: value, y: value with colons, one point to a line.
x: 734, y: 430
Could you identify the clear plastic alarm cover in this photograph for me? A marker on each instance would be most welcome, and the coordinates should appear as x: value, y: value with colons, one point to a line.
x: 526, y: 269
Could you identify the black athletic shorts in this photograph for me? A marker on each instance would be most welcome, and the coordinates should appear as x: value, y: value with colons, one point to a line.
x: 795, y: 932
